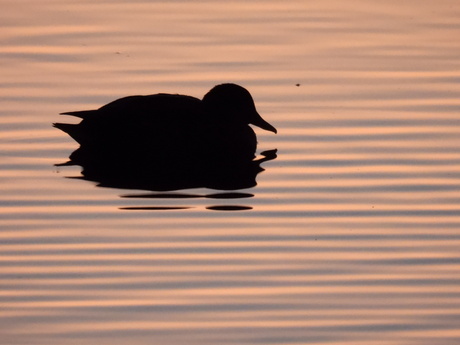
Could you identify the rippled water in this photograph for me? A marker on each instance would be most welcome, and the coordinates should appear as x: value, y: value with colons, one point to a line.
x: 350, y: 237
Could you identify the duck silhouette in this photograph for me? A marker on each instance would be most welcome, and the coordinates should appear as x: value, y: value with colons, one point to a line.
x: 169, y: 141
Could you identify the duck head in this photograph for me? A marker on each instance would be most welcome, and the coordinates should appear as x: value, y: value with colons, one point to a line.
x: 234, y: 104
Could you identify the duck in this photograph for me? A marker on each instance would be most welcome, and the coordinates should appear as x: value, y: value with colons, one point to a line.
x: 170, y: 141
x: 173, y: 122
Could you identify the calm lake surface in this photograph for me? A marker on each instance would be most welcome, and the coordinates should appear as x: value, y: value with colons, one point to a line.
x: 352, y: 235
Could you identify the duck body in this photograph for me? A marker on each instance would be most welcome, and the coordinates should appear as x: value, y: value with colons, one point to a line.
x: 135, y: 117
x: 170, y: 134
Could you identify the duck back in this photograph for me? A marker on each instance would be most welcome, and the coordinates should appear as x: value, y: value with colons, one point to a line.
x: 129, y: 119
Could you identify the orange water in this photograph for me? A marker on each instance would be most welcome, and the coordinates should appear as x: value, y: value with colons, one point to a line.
x: 354, y: 230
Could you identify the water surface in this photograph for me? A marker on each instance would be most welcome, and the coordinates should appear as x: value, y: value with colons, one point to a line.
x: 351, y: 235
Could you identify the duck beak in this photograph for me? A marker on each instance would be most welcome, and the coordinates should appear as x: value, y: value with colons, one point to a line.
x: 260, y: 122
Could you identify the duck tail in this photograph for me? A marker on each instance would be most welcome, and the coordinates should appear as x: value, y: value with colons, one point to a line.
x: 70, y: 129
x: 83, y: 114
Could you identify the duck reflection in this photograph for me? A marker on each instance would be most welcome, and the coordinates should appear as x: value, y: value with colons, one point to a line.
x: 167, y: 143
x: 118, y: 170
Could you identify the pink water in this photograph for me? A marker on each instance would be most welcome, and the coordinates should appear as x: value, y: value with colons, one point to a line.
x: 353, y: 233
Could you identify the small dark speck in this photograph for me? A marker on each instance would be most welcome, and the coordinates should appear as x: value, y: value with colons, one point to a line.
x: 297, y: 85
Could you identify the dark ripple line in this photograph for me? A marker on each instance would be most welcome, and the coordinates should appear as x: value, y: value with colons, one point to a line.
x: 407, y: 187
x: 227, y: 284
x: 369, y: 162
x: 233, y: 238
x: 230, y: 262
x: 375, y: 123
x: 206, y: 307
x: 349, y: 138
x: 203, y: 249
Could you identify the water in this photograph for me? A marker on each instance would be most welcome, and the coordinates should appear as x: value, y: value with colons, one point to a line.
x: 352, y: 233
